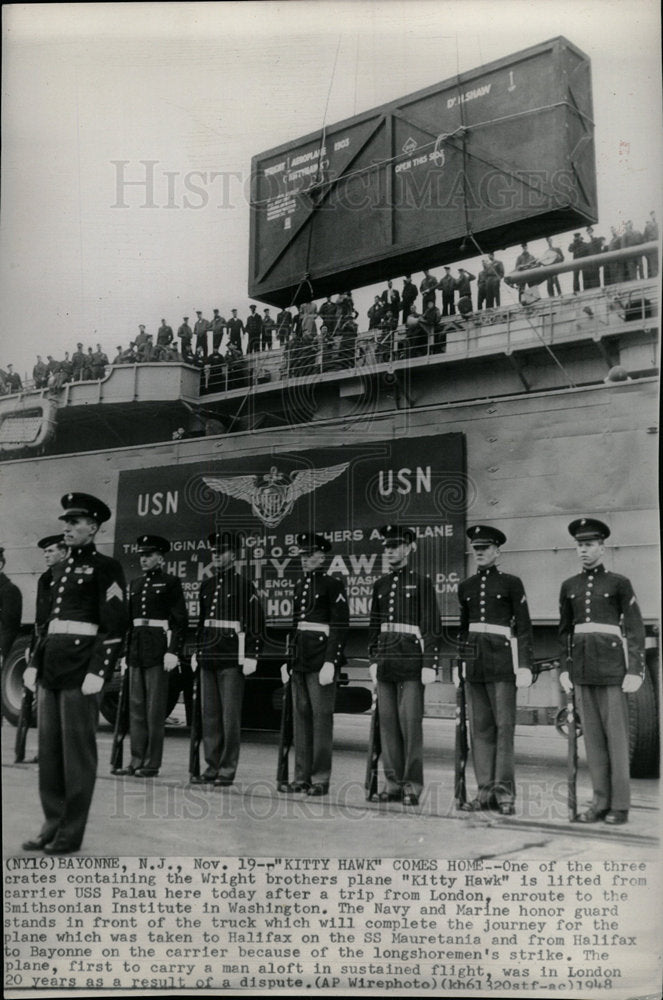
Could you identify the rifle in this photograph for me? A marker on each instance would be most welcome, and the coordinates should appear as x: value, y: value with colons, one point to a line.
x: 462, y: 742
x: 23, y: 724
x: 196, y: 728
x: 286, y: 730
x: 374, y: 750
x: 571, y: 755
x: 121, y: 727
x: 285, y: 738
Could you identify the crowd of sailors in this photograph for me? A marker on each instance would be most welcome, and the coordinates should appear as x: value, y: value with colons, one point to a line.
x: 323, y: 337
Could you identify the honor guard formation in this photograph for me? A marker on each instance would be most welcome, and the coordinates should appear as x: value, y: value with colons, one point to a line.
x: 87, y: 620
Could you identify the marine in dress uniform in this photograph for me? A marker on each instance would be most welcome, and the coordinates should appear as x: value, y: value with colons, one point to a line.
x: 55, y: 554
x: 156, y: 608
x: 82, y: 642
x: 11, y: 608
x: 493, y: 612
x: 319, y: 629
x: 403, y: 639
x: 228, y: 642
x: 602, y: 638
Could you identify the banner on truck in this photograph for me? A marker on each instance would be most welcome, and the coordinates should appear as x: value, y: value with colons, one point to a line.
x: 347, y: 492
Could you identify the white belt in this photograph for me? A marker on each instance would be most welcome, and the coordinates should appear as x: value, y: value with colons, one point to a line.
x: 60, y: 627
x: 152, y: 623
x: 313, y: 627
x: 221, y: 623
x: 486, y: 627
x: 597, y: 627
x: 401, y: 627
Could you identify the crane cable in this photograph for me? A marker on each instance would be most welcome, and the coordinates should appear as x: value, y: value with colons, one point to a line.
x: 319, y: 176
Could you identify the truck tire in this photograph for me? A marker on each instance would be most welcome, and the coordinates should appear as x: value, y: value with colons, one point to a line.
x: 643, y: 730
x: 12, y: 679
x: 109, y: 699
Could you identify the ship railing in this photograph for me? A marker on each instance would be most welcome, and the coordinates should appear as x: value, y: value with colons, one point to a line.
x: 614, y: 302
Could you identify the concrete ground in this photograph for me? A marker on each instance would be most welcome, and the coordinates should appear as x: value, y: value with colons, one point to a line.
x: 166, y: 816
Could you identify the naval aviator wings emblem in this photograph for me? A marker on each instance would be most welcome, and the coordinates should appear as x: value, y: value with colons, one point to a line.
x: 273, y: 499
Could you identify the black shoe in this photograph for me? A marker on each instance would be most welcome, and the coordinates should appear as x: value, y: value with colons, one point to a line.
x: 223, y: 782
x: 59, y: 847
x: 126, y: 771
x: 506, y: 809
x: 295, y: 786
x: 616, y: 817
x: 390, y: 797
x: 592, y: 815
x: 475, y: 805
x: 203, y: 779
x: 410, y: 799
x: 317, y: 789
x: 38, y: 844
x: 147, y: 772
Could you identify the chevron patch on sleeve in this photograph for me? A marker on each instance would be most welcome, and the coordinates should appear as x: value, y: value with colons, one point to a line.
x: 341, y: 597
x: 114, y: 591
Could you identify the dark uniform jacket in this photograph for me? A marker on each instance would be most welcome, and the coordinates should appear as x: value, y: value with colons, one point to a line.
x: 597, y: 595
x: 319, y: 599
x: 91, y: 590
x: 428, y: 286
x: 232, y: 598
x: 156, y: 596
x: 45, y: 588
x: 578, y: 248
x: 392, y: 298
x: 185, y: 334
x: 405, y: 598
x: 463, y: 285
x: 254, y: 327
x: 494, y: 598
x: 165, y: 335
x: 447, y: 284
x: 409, y: 294
x: 11, y: 607
x: 235, y: 331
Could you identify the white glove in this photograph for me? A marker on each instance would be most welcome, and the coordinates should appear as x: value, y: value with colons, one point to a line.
x: 194, y: 662
x: 30, y: 678
x: 455, y: 677
x: 285, y: 673
x: 326, y: 675
x: 565, y: 682
x: 630, y: 684
x: 523, y: 677
x: 373, y: 672
x: 92, y: 684
x: 123, y: 666
x: 428, y: 675
x: 249, y: 666
x: 170, y: 661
